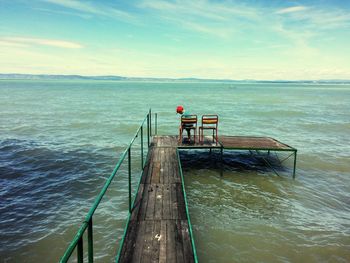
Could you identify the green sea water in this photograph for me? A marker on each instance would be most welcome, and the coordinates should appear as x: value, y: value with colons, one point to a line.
x: 60, y: 140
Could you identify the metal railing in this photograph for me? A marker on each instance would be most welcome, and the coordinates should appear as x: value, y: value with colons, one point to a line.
x: 77, y: 242
x: 186, y: 208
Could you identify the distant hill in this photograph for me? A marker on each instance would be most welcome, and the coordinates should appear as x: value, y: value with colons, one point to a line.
x: 58, y: 77
x: 120, y: 78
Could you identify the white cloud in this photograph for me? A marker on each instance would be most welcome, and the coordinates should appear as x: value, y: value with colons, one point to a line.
x: 212, y: 30
x: 203, y: 9
x: 9, y: 43
x: 316, y: 16
x: 218, y: 19
x: 23, y: 41
x: 89, y: 8
x: 292, y: 9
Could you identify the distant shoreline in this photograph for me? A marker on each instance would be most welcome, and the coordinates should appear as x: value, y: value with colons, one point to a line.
x: 15, y: 76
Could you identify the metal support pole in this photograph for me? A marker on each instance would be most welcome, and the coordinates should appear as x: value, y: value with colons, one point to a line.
x: 156, y: 124
x: 222, y: 160
x: 129, y: 173
x: 295, y: 163
x: 141, y: 146
x: 266, y: 161
x: 150, y: 123
x: 80, y: 254
x: 90, y: 243
x: 148, y: 130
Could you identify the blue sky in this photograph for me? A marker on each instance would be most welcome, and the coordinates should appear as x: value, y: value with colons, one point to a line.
x: 266, y: 40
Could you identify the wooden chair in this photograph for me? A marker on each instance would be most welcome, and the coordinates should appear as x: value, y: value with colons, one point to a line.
x: 188, y: 122
x: 209, y: 122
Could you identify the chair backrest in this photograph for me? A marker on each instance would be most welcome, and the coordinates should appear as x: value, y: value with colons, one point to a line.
x: 210, y: 120
x: 189, y: 119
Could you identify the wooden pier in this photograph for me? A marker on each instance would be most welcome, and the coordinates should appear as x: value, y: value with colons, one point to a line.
x: 159, y: 226
x: 158, y: 229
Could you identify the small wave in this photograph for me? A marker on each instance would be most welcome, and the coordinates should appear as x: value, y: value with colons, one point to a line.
x: 37, y: 182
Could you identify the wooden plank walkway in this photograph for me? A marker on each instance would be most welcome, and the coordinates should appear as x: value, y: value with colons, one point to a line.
x: 158, y: 229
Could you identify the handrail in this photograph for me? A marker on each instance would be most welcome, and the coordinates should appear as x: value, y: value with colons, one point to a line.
x: 77, y: 241
x: 186, y: 208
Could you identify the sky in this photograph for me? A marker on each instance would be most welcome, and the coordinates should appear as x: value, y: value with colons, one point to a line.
x: 220, y: 39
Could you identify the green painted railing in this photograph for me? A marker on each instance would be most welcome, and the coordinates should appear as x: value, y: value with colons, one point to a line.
x: 186, y: 206
x: 77, y: 242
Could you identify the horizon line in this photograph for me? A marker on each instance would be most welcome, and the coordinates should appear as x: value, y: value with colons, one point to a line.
x: 165, y: 78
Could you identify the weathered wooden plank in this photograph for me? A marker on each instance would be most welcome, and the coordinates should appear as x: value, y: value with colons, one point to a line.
x: 157, y: 154
x: 137, y: 204
x: 126, y: 254
x: 167, y: 212
x: 173, y: 200
x: 158, y: 210
x: 146, y: 255
x: 156, y: 238
x: 163, y: 242
x: 181, y: 207
x: 138, y: 243
x: 168, y: 175
x: 162, y: 173
x: 155, y: 176
x: 151, y: 202
x: 174, y: 175
x: 170, y: 241
x: 144, y: 203
x: 145, y: 172
x: 161, y: 152
x: 186, y: 242
x: 178, y: 242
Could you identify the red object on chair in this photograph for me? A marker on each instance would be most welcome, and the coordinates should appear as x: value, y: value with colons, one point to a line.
x: 209, y: 122
x: 179, y: 109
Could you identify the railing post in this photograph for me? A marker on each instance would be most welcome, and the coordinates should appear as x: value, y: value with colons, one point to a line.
x: 148, y: 130
x: 150, y: 123
x: 129, y: 175
x: 80, y: 254
x: 90, y: 243
x: 156, y: 124
x: 222, y: 161
x: 295, y: 163
x: 141, y: 146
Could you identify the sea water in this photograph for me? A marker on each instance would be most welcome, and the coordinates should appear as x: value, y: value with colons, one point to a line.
x: 60, y: 140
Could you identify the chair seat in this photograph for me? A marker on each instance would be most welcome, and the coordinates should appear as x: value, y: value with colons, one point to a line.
x: 209, y: 122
